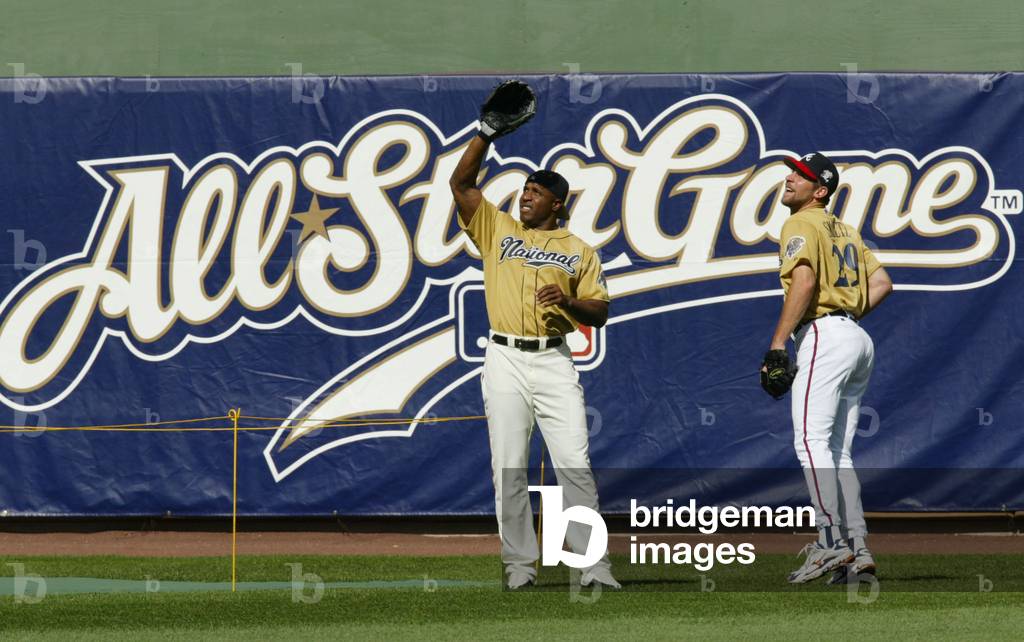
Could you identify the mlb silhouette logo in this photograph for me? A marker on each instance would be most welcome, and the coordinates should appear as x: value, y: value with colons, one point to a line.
x: 585, y: 343
x: 470, y: 311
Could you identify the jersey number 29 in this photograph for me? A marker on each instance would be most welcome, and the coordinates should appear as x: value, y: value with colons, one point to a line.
x: 847, y: 259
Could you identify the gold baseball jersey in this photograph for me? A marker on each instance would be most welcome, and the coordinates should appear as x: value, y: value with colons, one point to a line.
x: 838, y: 256
x: 519, y: 261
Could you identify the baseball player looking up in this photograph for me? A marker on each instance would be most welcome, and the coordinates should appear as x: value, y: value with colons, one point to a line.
x: 540, y: 283
x: 831, y: 280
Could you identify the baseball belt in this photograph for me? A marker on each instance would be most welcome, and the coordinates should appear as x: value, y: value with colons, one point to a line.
x: 539, y: 343
x: 834, y: 313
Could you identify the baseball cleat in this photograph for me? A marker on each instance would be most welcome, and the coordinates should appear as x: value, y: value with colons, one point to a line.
x: 519, y: 579
x: 820, y: 560
x: 863, y: 564
x: 600, y: 575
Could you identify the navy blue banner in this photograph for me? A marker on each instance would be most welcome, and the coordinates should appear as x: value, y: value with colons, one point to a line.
x: 173, y: 248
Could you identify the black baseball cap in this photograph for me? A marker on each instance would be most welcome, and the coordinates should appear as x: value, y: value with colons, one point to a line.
x: 551, y: 180
x: 816, y: 167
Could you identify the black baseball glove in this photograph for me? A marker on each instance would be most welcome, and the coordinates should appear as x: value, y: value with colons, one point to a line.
x: 777, y: 373
x: 511, y: 104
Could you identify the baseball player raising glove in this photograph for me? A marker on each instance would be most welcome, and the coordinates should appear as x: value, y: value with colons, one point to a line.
x: 511, y: 104
x: 532, y: 303
x: 777, y: 373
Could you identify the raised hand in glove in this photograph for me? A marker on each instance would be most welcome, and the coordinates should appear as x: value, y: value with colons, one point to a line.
x: 511, y: 104
x: 777, y: 373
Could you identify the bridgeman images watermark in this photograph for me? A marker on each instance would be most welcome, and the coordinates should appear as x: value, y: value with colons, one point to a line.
x: 706, y: 519
x: 716, y: 530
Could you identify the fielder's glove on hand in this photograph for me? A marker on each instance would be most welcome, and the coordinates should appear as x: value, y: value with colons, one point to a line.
x: 511, y: 104
x: 777, y: 373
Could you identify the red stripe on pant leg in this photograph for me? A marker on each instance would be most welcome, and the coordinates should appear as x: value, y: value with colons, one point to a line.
x: 807, y: 398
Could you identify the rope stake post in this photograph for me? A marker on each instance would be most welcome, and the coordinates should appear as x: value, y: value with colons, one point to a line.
x: 233, y: 415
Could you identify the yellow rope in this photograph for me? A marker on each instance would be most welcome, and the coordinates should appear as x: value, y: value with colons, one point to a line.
x: 337, y: 423
x: 10, y: 429
x: 119, y: 426
x: 399, y: 420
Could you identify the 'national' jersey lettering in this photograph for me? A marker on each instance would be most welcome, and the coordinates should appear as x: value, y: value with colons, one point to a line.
x: 512, y: 248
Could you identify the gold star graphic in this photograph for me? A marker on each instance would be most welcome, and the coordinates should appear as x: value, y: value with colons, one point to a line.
x: 313, y: 219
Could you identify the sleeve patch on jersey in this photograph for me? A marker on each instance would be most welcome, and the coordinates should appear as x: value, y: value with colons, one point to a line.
x: 794, y: 246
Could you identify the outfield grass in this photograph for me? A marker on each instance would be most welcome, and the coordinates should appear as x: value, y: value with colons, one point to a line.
x: 482, y: 611
x: 899, y: 573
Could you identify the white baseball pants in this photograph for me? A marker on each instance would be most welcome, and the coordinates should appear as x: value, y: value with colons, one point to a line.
x: 835, y: 357
x: 518, y: 388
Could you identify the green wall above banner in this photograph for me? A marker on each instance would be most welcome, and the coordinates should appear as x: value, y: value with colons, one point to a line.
x: 258, y: 38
